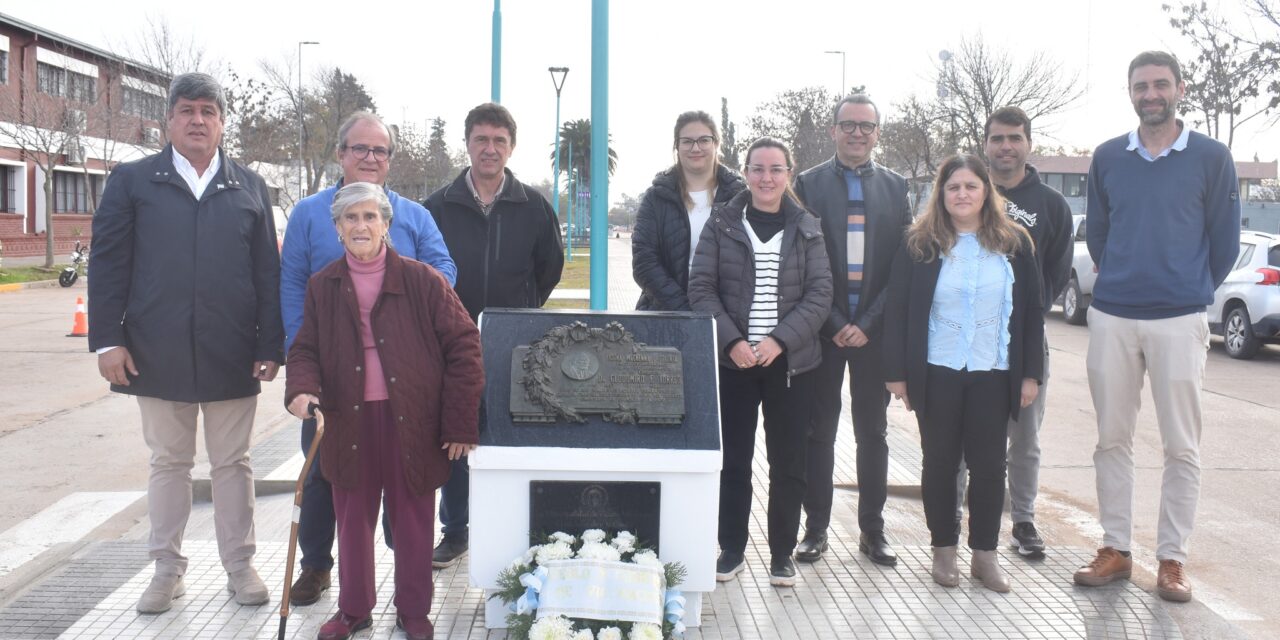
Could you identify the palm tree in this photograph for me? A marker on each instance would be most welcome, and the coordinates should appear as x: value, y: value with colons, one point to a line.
x: 579, y: 132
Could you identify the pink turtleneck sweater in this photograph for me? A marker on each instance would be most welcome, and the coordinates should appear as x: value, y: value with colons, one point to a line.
x: 367, y: 278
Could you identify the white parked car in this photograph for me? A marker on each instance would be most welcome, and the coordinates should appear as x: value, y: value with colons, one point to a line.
x: 1246, y: 307
x: 1079, y: 291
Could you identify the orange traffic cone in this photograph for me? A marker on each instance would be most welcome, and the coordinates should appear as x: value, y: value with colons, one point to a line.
x: 81, y: 328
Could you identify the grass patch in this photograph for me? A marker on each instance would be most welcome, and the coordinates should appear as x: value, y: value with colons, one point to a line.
x: 9, y: 275
x: 576, y: 274
x: 567, y: 304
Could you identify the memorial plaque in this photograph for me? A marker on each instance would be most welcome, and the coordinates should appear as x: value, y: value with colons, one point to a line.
x: 599, y: 380
x: 574, y: 370
x: 574, y: 507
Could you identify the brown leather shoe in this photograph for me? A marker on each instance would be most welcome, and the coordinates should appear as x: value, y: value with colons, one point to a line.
x: 1172, y: 583
x: 1107, y: 567
x: 308, y: 587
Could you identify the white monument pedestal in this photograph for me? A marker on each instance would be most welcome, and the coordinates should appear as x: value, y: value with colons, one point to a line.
x: 499, y: 508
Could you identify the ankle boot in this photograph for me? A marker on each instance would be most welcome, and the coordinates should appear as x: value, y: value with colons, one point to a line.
x: 945, y: 571
x: 986, y: 567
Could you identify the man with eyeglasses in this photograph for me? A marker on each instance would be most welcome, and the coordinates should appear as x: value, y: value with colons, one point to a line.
x: 364, y: 152
x: 506, y: 240
x: 864, y: 211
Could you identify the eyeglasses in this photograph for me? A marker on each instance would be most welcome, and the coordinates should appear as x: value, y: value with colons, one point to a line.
x: 362, y: 151
x: 687, y: 144
x: 775, y: 171
x: 848, y: 126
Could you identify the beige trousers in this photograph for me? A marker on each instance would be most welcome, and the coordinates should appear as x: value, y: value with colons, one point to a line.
x: 170, y: 431
x: 1171, y: 352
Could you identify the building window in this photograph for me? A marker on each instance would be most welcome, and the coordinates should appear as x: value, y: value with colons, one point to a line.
x: 8, y: 189
x: 143, y: 104
x: 70, y: 194
x: 1073, y: 185
x: 51, y: 80
x: 4, y: 67
x: 62, y: 83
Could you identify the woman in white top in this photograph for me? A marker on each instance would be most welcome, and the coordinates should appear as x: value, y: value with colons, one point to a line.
x: 674, y: 210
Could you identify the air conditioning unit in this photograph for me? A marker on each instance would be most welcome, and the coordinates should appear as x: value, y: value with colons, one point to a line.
x: 76, y: 120
x: 151, y: 136
x: 75, y: 153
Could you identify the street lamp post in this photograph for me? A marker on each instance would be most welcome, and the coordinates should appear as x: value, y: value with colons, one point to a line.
x: 302, y: 189
x: 572, y: 195
x: 495, y: 80
x: 555, y: 178
x: 843, y: 86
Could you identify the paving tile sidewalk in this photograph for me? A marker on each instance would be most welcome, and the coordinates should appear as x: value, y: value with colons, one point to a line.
x: 842, y: 596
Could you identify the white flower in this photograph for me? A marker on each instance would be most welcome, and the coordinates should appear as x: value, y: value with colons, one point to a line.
x: 561, y: 536
x: 624, y: 541
x: 647, y: 558
x: 531, y: 554
x: 554, y: 551
x: 582, y: 634
x: 521, y: 561
x: 552, y: 628
x: 645, y: 631
x: 593, y: 535
x: 598, y: 551
x: 609, y: 633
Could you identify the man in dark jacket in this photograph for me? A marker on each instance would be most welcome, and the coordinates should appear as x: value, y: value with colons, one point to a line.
x: 864, y: 211
x: 1047, y: 217
x: 505, y: 240
x: 185, y: 308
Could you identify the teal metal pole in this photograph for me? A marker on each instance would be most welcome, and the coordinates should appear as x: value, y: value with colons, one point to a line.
x: 495, y: 90
x: 555, y: 180
x: 600, y: 156
x: 571, y: 196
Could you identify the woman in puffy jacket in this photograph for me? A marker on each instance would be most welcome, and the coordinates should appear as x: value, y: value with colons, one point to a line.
x: 761, y: 269
x: 674, y: 210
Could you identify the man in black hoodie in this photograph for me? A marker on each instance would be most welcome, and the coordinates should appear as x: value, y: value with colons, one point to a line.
x: 505, y: 241
x: 1045, y: 215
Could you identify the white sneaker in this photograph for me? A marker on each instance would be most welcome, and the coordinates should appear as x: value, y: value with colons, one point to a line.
x: 247, y: 587
x: 160, y: 594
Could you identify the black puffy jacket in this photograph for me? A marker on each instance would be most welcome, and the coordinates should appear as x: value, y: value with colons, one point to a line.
x: 660, y: 240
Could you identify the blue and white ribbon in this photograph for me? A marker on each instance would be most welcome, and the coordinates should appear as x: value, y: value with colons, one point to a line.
x: 532, y: 587
x: 674, y: 611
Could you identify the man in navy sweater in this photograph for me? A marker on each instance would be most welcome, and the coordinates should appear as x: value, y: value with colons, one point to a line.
x: 1164, y: 231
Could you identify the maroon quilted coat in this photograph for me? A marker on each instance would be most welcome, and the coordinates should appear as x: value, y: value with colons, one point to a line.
x: 430, y: 354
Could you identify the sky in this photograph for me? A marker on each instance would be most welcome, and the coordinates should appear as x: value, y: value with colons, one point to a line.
x: 426, y: 59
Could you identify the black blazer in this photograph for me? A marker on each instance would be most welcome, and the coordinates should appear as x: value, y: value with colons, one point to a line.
x: 906, y: 326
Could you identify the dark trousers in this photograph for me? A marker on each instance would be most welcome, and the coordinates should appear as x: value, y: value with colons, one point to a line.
x: 454, y: 514
x: 965, y: 413
x: 787, y: 411
x: 316, y: 520
x: 870, y: 424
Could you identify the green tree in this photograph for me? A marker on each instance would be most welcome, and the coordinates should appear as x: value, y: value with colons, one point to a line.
x: 728, y: 138
x: 440, y: 166
x: 578, y: 132
x: 798, y: 117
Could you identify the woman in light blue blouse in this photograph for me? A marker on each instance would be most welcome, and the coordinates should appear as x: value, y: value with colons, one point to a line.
x: 963, y: 343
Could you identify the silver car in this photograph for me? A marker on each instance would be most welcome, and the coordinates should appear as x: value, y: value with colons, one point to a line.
x: 1246, y: 307
x: 1079, y: 290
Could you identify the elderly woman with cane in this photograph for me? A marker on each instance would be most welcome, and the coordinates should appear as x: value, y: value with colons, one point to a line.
x: 391, y: 357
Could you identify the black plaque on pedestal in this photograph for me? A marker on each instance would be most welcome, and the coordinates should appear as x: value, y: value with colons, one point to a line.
x: 605, y: 385
x: 574, y: 507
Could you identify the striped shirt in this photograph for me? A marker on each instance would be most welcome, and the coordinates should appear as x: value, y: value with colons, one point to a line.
x: 764, y: 306
x: 855, y: 238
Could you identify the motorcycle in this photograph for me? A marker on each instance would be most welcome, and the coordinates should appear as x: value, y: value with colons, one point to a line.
x: 79, y: 261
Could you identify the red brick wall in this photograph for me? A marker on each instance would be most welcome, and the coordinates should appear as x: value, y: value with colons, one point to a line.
x: 18, y: 244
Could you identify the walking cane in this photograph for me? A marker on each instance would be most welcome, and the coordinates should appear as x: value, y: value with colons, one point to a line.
x: 313, y: 409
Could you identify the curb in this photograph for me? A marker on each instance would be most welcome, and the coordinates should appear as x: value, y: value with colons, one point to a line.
x: 35, y: 284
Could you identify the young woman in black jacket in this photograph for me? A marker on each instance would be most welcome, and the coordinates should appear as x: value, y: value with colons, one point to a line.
x: 761, y: 270
x: 674, y: 210
x: 963, y: 340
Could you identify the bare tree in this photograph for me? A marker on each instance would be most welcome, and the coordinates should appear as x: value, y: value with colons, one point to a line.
x: 914, y: 142
x: 1223, y: 75
x: 798, y: 117
x: 159, y: 46
x: 978, y: 78
x: 44, y: 129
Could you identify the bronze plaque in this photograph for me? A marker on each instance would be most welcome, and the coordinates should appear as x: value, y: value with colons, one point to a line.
x: 575, y: 370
